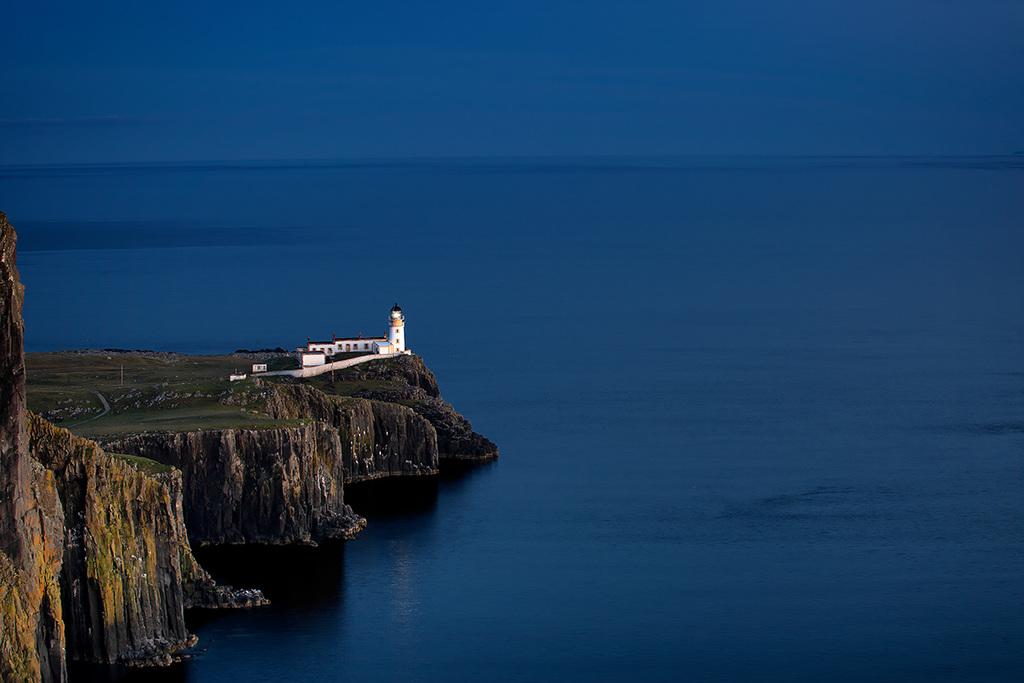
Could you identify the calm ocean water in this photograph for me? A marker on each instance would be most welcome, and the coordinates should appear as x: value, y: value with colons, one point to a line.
x: 759, y: 419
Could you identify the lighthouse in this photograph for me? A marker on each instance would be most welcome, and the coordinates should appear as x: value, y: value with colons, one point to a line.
x: 396, y: 332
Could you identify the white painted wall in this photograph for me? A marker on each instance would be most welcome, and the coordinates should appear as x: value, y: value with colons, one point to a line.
x: 336, y: 365
x: 309, y: 360
x: 353, y: 345
x: 396, y: 335
x: 324, y: 347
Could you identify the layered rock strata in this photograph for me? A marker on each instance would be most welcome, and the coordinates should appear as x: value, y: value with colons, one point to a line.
x: 377, y: 439
x: 127, y: 560
x: 285, y: 485
x: 31, y: 518
x: 456, y: 439
x: 256, y: 486
x: 95, y: 563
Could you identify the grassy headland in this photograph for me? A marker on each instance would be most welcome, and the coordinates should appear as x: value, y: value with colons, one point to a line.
x: 165, y: 392
x: 159, y: 392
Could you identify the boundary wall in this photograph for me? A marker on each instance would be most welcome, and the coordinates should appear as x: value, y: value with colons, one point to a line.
x: 327, y: 367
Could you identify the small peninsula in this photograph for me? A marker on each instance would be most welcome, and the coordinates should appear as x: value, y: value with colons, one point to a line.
x: 263, y: 459
x: 115, y: 463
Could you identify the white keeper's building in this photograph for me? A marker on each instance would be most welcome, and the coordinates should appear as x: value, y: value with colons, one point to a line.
x: 316, y: 352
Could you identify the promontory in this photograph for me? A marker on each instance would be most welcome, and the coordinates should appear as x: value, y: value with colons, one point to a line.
x: 114, y: 464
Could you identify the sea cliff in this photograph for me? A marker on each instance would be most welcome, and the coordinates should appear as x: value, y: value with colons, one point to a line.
x: 96, y: 535
x: 31, y: 517
x: 256, y: 486
x: 410, y: 382
x: 378, y: 439
x: 128, y: 572
x: 286, y: 484
x: 95, y: 563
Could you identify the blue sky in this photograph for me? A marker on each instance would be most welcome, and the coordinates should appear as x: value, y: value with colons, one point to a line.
x: 141, y: 82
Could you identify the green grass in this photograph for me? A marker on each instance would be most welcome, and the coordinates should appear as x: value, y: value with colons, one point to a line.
x: 346, y: 388
x: 145, y: 464
x: 205, y: 417
x: 185, y: 394
x: 345, y: 384
x: 274, y: 364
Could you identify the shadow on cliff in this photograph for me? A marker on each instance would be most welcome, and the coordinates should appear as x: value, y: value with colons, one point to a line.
x: 404, y: 497
x: 391, y: 498
x: 457, y: 473
x: 296, y: 579
x: 291, y: 577
x: 84, y: 672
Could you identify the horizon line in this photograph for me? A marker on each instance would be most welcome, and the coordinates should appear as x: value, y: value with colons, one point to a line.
x: 283, y: 163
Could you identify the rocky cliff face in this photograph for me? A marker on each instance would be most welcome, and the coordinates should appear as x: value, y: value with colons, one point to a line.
x: 285, y: 485
x: 409, y: 370
x: 456, y: 439
x: 128, y: 571
x: 31, y: 519
x: 122, y: 571
x: 417, y: 386
x: 377, y: 439
x: 31, y: 624
x: 94, y: 560
x: 245, y: 486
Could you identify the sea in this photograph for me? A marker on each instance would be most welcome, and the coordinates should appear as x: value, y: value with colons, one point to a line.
x: 759, y: 419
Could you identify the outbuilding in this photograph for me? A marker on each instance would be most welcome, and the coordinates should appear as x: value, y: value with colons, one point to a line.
x: 308, y: 359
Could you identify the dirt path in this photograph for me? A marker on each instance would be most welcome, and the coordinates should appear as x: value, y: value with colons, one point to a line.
x: 106, y: 409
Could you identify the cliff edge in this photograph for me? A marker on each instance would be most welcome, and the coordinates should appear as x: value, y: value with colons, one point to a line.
x: 284, y: 483
x: 31, y: 518
x: 94, y: 559
x: 413, y: 384
x: 269, y: 486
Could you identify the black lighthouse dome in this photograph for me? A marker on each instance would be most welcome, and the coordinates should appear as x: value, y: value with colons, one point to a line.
x: 396, y: 313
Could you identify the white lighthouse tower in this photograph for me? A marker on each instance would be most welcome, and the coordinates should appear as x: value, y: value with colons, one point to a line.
x: 396, y: 332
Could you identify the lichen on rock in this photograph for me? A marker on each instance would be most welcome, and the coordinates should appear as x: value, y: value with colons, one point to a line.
x: 256, y: 486
x: 95, y: 563
x: 31, y: 521
x: 128, y: 571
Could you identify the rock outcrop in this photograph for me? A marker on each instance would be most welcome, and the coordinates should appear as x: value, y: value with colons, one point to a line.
x: 31, y: 518
x: 285, y: 485
x: 410, y: 370
x: 122, y: 571
x: 95, y: 563
x: 377, y: 439
x: 456, y: 439
x: 413, y: 383
x: 256, y: 486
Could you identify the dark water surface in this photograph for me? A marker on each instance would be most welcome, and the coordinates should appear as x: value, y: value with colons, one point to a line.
x: 758, y: 419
